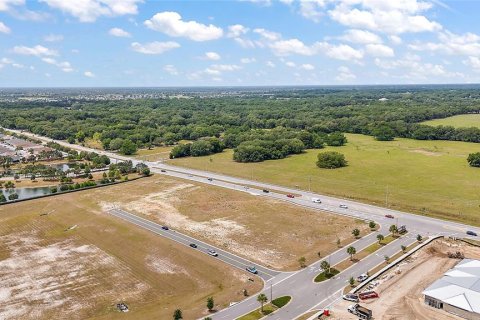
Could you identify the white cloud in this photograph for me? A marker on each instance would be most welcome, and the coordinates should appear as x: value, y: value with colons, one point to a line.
x: 65, y: 66
x: 270, y: 64
x: 291, y: 46
x: 6, y: 61
x: 38, y: 51
x: 236, y: 30
x: 118, y: 32
x: 245, y: 43
x: 307, y: 66
x: 344, y: 74
x: 171, y: 23
x: 340, y: 51
x: 391, y: 17
x: 361, y: 36
x: 217, y: 69
x: 89, y: 74
x: 290, y: 64
x: 171, y: 69
x: 473, y: 62
x: 155, y: 47
x: 53, y: 37
x: 212, y: 56
x: 312, y: 9
x: 6, y: 5
x: 4, y: 28
x: 91, y: 10
x: 267, y: 34
x: 467, y: 44
x: 395, y: 39
x: 379, y: 50
x: 247, y: 60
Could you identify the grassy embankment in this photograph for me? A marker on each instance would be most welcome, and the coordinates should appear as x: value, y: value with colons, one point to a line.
x: 426, y: 177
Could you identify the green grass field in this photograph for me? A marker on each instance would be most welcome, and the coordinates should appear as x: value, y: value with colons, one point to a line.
x: 460, y: 121
x: 426, y: 177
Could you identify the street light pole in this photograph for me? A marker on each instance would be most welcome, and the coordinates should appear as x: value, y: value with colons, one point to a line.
x: 271, y: 293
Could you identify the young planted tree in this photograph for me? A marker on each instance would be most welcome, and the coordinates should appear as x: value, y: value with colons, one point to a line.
x: 380, y: 238
x: 387, y: 259
x: 351, y: 251
x: 403, y: 248
x: 372, y: 225
x: 325, y: 266
x: 419, y: 238
x: 210, y: 303
x: 393, y: 229
x: 356, y: 232
x: 177, y: 314
x: 262, y: 298
x: 351, y: 281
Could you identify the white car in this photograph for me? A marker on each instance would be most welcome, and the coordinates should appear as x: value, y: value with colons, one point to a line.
x: 316, y: 200
x: 212, y: 252
x: 350, y: 297
x: 362, y: 277
x: 343, y: 206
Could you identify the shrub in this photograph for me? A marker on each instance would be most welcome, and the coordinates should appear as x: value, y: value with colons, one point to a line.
x: 331, y: 160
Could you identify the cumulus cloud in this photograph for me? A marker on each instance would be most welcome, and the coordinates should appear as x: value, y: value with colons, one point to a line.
x: 38, y: 51
x: 91, y: 10
x: 307, y: 66
x: 291, y: 46
x: 344, y: 74
x: 4, y: 28
x: 379, y: 50
x: 89, y: 74
x: 169, y: 68
x: 270, y: 64
x: 155, y: 47
x: 171, y: 23
x: 467, y: 44
x: 53, y: 37
x: 217, y: 69
x: 361, y: 36
x: 65, y: 66
x: 312, y: 9
x: 212, y: 56
x: 248, y: 60
x: 290, y: 64
x: 118, y: 32
x: 6, y: 5
x: 236, y: 30
x: 267, y: 34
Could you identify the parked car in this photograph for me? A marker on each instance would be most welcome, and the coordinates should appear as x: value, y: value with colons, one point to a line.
x: 389, y: 216
x: 316, y: 200
x: 362, y: 277
x: 164, y: 227
x: 193, y: 245
x: 343, y: 206
x: 350, y: 297
x: 265, y: 191
x: 163, y: 170
x: 212, y: 252
x: 290, y: 195
x: 252, y: 269
x: 471, y: 233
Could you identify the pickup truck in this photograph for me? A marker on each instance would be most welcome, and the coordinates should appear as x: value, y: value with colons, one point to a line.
x: 359, y: 311
x: 368, y: 295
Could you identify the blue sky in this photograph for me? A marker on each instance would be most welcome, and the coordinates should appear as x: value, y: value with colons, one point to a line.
x: 63, y: 43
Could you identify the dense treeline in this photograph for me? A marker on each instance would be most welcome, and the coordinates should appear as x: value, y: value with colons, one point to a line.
x: 246, y: 123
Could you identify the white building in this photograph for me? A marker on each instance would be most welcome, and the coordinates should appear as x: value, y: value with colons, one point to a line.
x: 458, y: 291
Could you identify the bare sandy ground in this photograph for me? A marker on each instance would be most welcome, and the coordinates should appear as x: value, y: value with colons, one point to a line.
x: 401, y: 289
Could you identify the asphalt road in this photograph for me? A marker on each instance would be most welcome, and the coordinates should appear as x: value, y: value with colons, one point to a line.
x: 306, y: 295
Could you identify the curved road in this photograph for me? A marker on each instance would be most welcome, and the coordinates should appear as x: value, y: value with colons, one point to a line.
x: 306, y: 295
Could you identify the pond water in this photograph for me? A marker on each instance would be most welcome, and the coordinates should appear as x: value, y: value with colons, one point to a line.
x: 62, y: 166
x: 25, y: 193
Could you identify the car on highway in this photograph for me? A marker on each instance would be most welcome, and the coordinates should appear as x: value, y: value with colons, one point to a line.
x: 209, y: 179
x: 362, y: 277
x: 212, y: 252
x: 290, y: 195
x: 252, y: 269
x: 389, y: 216
x: 343, y: 206
x: 163, y: 170
x: 316, y: 200
x: 471, y: 233
x: 164, y: 227
x: 350, y: 297
x: 265, y: 191
x: 193, y: 245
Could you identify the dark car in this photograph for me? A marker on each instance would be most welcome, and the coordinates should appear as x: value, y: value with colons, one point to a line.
x: 164, y: 227
x: 251, y: 269
x: 163, y: 170
x: 471, y: 233
x: 193, y: 245
x: 209, y: 179
x: 389, y: 216
x: 266, y: 191
x: 290, y: 196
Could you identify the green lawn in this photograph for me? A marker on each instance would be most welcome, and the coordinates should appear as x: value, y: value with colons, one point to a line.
x: 460, y: 121
x: 375, y: 246
x: 323, y: 276
x: 426, y: 177
x: 267, y: 308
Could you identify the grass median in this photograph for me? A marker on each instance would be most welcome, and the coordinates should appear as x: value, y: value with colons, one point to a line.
x: 267, y: 309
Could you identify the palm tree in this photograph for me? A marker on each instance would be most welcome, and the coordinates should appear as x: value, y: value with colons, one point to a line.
x: 356, y: 232
x: 262, y: 299
x: 325, y: 266
x: 351, y: 251
x: 372, y: 224
x: 380, y: 238
x: 393, y: 229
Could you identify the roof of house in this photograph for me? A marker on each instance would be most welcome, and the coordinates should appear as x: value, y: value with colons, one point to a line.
x: 459, y: 287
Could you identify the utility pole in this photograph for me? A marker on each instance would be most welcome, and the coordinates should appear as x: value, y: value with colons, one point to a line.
x: 309, y: 183
x: 386, y: 198
x: 271, y: 293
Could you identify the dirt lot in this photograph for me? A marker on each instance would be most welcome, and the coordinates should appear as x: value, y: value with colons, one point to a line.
x: 271, y: 232
x: 48, y: 271
x: 401, y: 293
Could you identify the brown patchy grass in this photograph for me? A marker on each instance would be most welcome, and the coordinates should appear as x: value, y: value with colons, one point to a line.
x: 101, y: 262
x: 268, y: 231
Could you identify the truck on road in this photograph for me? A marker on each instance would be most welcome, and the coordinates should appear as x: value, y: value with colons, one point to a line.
x: 359, y: 311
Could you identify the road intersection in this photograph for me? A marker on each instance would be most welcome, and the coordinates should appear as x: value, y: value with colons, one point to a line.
x: 306, y: 294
